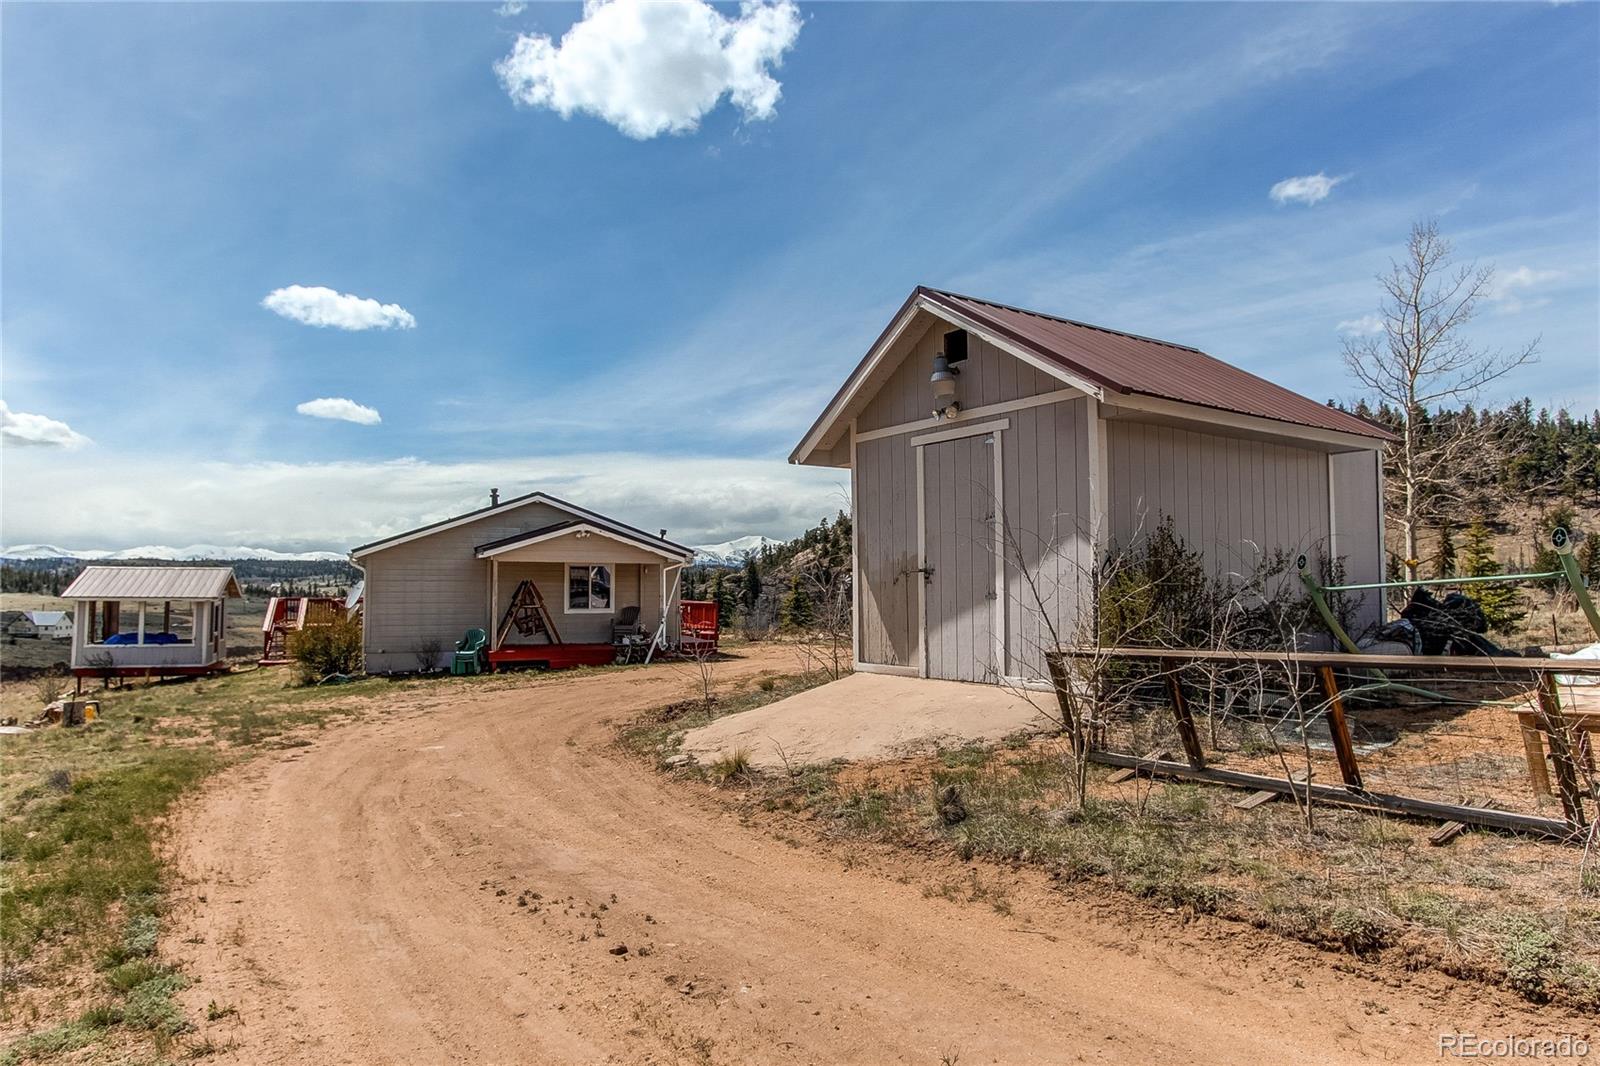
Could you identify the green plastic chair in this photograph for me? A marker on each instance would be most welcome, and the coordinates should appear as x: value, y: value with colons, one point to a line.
x: 468, y: 658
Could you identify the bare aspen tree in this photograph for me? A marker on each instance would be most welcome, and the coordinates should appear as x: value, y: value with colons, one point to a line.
x: 1421, y: 361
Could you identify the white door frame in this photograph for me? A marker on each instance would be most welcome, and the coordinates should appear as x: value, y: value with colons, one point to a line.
x: 997, y: 621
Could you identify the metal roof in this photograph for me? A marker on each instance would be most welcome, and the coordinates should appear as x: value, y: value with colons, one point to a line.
x: 46, y: 618
x: 153, y: 583
x: 1107, y: 361
x: 1126, y: 362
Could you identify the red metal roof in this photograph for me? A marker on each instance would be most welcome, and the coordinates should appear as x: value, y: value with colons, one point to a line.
x: 1127, y: 363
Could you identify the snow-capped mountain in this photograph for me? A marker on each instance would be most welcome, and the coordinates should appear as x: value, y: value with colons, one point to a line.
x: 731, y: 552
x: 192, y: 553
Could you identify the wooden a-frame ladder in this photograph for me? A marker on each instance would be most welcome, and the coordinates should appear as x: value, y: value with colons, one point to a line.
x: 529, y: 614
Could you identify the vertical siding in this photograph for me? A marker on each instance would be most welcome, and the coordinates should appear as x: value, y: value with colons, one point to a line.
x: 988, y: 376
x: 1232, y: 499
x: 1355, y: 525
x: 886, y: 538
x: 1045, y: 465
x: 1046, y: 493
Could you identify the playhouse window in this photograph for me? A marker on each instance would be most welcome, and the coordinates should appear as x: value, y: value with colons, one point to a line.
x: 588, y: 588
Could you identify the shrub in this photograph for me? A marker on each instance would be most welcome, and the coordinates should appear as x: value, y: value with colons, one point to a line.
x: 734, y: 766
x: 50, y: 687
x: 322, y: 650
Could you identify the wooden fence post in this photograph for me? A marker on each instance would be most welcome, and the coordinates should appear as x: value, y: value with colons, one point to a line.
x: 1186, y: 730
x: 1056, y: 661
x: 1339, y: 728
x: 1555, y: 725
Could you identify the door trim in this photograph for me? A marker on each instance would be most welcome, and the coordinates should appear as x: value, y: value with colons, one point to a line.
x: 957, y: 432
x: 997, y: 609
x: 922, y: 560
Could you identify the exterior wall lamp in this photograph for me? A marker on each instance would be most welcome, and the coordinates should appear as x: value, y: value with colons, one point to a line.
x: 943, y: 381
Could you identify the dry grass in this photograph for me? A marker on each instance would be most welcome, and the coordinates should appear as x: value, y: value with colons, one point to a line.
x: 82, y: 885
x: 1489, y: 906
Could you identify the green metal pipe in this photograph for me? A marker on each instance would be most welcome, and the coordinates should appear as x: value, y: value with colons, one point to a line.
x: 1445, y: 581
x: 1561, y: 540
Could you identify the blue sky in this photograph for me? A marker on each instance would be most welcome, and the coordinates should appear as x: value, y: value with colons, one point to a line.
x: 646, y: 324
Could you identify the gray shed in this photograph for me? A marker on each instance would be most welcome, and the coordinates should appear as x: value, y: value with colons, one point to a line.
x: 1081, y: 438
x: 426, y: 587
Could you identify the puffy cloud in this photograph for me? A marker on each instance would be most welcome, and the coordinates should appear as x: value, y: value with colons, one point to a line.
x: 1365, y: 326
x: 340, y: 409
x: 37, y: 431
x: 316, y: 305
x: 511, y: 8
x: 1309, y: 189
x: 1513, y: 291
x: 653, y: 68
x: 336, y: 505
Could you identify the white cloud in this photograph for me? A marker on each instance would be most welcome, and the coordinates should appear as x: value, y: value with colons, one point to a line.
x: 1307, y: 189
x: 1513, y: 290
x: 37, y: 431
x: 337, y: 505
x: 653, y: 68
x: 511, y: 8
x: 316, y: 305
x: 341, y: 409
x: 1365, y: 326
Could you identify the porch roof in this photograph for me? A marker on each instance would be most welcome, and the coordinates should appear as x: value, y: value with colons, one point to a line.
x: 654, y: 545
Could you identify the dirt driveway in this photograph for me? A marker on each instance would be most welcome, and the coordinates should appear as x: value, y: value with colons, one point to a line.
x: 434, y: 886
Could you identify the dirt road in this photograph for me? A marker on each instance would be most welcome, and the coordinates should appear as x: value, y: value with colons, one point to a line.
x: 449, y: 885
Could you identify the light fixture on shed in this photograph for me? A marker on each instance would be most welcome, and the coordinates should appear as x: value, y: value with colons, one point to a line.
x: 943, y: 381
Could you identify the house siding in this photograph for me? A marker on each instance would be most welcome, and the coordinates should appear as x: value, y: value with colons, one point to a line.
x: 1044, y: 472
x: 987, y: 376
x: 886, y: 540
x: 434, y: 587
x: 1232, y: 499
x: 628, y: 589
x: 1048, y: 535
x: 1356, y: 506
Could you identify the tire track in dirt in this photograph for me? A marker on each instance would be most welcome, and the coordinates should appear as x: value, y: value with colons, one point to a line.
x: 346, y: 901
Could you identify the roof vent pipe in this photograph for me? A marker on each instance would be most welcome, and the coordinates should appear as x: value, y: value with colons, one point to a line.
x: 663, y: 534
x: 494, y: 497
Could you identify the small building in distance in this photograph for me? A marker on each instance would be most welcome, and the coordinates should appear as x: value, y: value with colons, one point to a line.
x: 551, y: 584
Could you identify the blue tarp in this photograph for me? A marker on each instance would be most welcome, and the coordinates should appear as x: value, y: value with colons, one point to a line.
x: 149, y: 638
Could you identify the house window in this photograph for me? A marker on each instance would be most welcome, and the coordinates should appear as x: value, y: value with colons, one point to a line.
x: 588, y: 589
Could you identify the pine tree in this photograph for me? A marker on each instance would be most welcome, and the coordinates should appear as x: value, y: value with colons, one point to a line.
x: 1589, y: 562
x: 1444, y: 560
x: 752, y: 583
x: 1501, y: 602
x: 796, y: 604
x: 722, y: 596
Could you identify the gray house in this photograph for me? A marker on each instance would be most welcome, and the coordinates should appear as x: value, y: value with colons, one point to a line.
x: 425, y: 588
x: 1082, y: 438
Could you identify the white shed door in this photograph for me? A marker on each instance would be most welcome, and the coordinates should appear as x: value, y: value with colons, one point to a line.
x: 959, y: 568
